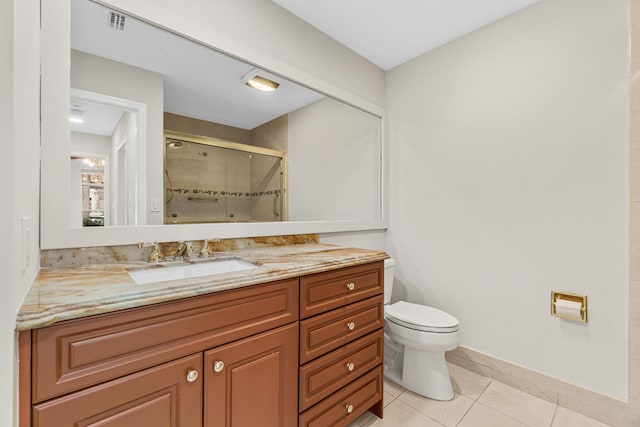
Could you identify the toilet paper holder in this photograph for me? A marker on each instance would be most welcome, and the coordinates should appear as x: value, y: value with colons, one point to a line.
x: 569, y: 306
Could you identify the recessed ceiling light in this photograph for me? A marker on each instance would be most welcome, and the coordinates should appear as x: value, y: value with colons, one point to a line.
x: 261, y: 83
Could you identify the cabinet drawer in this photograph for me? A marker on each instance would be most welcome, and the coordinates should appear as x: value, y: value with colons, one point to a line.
x: 326, y: 332
x: 85, y: 352
x: 325, y: 291
x: 331, y: 372
x: 359, y: 396
x: 160, y: 396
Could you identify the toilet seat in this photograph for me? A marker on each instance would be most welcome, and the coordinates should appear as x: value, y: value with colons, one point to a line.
x: 421, y: 317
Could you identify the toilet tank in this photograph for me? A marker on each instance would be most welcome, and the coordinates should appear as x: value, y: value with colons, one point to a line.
x: 389, y: 265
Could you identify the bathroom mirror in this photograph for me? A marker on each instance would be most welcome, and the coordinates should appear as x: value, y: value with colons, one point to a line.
x: 160, y: 82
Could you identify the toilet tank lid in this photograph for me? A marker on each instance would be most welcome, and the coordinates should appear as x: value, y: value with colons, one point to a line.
x: 421, y: 315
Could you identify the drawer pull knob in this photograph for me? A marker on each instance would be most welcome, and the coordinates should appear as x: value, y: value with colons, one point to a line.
x: 351, y: 366
x: 351, y: 286
x: 349, y: 408
x: 218, y: 366
x: 192, y: 375
x: 351, y: 326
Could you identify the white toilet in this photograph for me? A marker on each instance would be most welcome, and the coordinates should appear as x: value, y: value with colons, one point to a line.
x: 415, y: 339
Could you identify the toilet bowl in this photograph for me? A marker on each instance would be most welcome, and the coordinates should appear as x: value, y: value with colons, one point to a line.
x: 416, y: 338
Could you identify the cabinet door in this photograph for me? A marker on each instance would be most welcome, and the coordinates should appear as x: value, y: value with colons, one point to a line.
x: 254, y: 381
x: 164, y: 396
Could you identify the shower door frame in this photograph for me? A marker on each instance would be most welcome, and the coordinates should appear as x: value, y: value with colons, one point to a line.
x: 220, y: 143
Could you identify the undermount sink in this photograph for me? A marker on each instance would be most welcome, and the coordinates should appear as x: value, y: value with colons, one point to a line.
x: 163, y: 273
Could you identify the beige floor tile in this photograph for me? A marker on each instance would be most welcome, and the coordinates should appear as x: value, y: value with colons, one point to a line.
x: 363, y: 420
x: 399, y: 414
x: 482, y: 416
x: 392, y: 388
x: 466, y: 382
x: 387, y: 398
x: 567, y: 418
x: 448, y: 413
x: 517, y: 404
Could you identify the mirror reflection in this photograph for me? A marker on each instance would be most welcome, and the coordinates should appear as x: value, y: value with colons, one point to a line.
x: 209, y: 180
x: 183, y: 135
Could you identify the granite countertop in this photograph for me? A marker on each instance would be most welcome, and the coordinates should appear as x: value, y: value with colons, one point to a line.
x: 65, y: 293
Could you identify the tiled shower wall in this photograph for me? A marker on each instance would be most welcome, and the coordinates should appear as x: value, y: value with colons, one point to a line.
x: 211, y: 184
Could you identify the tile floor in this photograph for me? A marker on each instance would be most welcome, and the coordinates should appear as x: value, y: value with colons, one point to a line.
x: 479, y: 402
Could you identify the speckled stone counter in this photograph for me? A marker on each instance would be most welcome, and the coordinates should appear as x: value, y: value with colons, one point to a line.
x: 64, y: 293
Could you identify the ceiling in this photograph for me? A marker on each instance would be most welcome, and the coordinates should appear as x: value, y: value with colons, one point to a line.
x: 390, y: 32
x: 198, y: 81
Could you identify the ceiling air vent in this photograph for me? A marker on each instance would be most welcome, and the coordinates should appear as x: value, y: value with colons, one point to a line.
x: 116, y: 20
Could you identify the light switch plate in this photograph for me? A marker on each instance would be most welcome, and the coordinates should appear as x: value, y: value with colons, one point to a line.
x: 155, y: 204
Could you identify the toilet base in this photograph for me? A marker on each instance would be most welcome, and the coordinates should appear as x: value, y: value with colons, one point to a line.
x: 422, y: 372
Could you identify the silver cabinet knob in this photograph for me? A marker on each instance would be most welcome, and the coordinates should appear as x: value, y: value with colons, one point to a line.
x: 351, y: 286
x: 192, y: 375
x: 349, y: 408
x: 351, y: 326
x: 350, y: 366
x: 218, y: 366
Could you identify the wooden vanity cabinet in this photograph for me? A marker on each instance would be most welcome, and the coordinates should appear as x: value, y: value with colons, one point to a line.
x: 144, y: 366
x: 243, y: 357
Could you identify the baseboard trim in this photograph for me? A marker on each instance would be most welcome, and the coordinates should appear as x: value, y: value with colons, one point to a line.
x: 606, y: 409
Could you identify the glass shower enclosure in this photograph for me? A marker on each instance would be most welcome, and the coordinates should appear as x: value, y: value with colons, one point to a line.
x: 210, y: 180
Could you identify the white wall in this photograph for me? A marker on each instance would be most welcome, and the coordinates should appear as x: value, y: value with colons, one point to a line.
x: 88, y: 143
x: 508, y: 177
x: 124, y: 178
x: 19, y: 174
x: 100, y: 75
x: 334, y: 163
x: 374, y: 239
